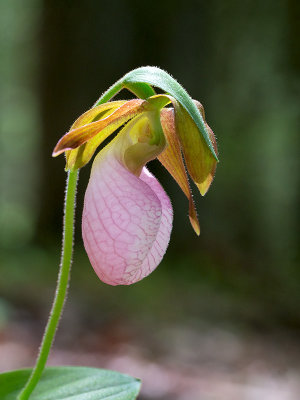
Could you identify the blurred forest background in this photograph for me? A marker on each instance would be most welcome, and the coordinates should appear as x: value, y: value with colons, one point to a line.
x: 220, y: 318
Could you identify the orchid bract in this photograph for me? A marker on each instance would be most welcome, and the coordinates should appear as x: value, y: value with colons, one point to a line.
x: 127, y: 216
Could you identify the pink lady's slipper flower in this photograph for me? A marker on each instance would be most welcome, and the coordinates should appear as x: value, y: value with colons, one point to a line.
x: 127, y: 216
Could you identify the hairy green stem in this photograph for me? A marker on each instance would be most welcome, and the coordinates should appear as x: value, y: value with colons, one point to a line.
x: 61, y: 289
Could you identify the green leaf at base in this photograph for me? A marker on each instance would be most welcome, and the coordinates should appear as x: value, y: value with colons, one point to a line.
x: 71, y: 383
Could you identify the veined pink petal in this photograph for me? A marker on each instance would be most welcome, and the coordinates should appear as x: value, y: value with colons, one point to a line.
x: 126, y: 222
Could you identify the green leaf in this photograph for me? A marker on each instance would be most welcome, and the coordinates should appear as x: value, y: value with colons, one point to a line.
x: 159, y: 78
x: 71, y: 383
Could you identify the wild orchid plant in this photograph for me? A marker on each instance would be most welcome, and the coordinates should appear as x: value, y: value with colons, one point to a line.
x: 127, y: 216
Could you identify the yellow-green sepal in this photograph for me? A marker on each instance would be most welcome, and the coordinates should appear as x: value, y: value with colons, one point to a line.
x: 200, y: 162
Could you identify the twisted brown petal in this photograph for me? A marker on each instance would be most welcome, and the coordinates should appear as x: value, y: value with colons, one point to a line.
x: 171, y: 159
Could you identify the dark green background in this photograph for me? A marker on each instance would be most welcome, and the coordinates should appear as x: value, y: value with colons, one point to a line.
x: 240, y: 59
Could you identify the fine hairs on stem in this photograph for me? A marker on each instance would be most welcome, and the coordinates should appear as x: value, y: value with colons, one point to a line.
x: 61, y: 288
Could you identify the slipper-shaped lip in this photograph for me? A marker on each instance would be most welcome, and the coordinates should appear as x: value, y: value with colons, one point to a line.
x: 126, y: 222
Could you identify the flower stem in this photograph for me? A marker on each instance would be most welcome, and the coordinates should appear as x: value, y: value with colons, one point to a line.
x: 61, y: 289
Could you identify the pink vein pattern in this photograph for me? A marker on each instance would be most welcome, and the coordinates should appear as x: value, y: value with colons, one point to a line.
x: 126, y: 221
